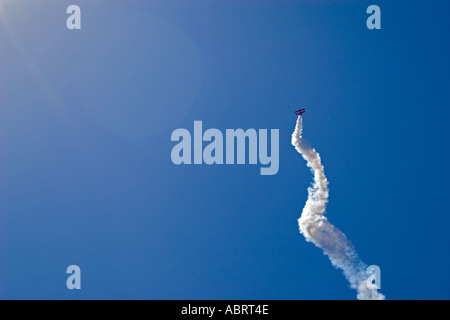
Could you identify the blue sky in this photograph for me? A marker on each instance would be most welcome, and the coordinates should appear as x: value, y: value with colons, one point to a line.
x: 86, y: 176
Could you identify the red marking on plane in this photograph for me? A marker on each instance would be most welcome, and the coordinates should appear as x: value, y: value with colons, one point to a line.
x: 300, y: 112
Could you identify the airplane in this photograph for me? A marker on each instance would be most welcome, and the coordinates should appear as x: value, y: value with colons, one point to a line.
x: 300, y: 112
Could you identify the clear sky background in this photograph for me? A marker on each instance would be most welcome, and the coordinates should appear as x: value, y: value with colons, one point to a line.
x: 86, y: 176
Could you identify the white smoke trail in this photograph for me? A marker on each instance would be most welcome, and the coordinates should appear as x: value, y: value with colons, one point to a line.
x: 317, y: 229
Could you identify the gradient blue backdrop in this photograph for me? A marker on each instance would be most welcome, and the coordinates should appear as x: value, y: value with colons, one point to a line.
x: 86, y: 118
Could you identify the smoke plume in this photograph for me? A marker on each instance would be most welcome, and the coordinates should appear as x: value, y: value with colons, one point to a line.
x: 316, y: 228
